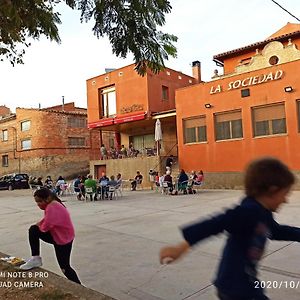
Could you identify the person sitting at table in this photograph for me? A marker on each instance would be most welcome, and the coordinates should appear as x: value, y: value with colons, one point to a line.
x: 169, y: 180
x: 77, y: 187
x: 111, y: 182
x: 60, y: 183
x: 103, y: 189
x: 119, y: 179
x: 39, y: 181
x: 137, y: 180
x: 91, y: 183
x: 49, y: 183
x: 183, y: 181
x: 199, y: 178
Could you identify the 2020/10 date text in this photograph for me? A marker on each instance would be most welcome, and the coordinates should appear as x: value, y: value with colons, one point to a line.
x: 277, y: 284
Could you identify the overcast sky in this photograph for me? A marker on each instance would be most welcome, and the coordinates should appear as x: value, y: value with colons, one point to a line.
x: 204, y: 28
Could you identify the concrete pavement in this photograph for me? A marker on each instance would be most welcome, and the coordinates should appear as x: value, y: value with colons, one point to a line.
x: 117, y: 244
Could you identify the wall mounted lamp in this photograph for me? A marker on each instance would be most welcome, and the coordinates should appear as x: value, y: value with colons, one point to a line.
x: 208, y: 105
x: 288, y: 89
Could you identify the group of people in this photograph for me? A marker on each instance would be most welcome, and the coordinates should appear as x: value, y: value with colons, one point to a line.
x: 99, y: 187
x: 267, y: 184
x: 58, y: 186
x: 115, y: 153
x: 184, y: 182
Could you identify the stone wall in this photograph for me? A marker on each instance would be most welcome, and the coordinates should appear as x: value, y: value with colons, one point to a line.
x: 56, y: 165
x: 127, y: 167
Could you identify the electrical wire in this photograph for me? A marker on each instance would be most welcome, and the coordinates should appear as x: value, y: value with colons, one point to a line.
x: 285, y: 10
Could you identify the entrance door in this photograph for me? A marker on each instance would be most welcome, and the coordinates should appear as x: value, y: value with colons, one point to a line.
x: 99, y: 170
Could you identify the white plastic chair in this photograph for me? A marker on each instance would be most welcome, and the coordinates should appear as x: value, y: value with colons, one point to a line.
x: 89, y: 193
x: 112, y: 192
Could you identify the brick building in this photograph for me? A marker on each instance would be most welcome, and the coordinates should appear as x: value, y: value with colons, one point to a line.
x: 52, y: 141
x: 251, y: 110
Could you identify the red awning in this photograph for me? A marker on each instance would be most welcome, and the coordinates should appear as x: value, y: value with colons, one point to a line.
x: 129, y: 118
x: 101, y: 123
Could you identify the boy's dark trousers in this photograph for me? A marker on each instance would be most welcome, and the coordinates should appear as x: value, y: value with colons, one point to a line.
x: 62, y: 252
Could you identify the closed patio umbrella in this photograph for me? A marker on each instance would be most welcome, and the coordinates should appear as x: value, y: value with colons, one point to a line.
x: 158, y: 134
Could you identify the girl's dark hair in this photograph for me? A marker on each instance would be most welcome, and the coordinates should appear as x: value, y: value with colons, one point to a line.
x: 266, y: 173
x: 47, y: 195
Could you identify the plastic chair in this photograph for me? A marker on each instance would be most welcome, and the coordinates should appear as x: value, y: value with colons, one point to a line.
x: 182, y: 186
x: 89, y: 192
x: 112, y: 192
x: 165, y: 188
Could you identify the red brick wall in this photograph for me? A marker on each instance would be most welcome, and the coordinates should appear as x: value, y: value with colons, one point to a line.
x: 4, y: 111
x: 50, y: 152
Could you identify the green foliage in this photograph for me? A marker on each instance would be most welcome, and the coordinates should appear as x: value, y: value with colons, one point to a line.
x: 131, y: 26
x: 20, y: 19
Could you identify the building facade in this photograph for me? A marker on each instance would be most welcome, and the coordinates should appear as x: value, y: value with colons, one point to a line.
x: 124, y: 106
x: 52, y: 141
x: 251, y: 110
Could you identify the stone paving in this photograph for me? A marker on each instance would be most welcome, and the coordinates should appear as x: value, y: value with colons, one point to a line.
x: 117, y: 244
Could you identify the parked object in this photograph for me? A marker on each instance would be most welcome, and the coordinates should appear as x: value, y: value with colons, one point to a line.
x: 14, y: 181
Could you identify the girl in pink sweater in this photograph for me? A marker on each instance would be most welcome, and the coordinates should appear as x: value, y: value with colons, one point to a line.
x: 55, y: 228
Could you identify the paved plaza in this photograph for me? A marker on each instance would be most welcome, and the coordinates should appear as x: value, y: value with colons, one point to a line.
x: 117, y: 244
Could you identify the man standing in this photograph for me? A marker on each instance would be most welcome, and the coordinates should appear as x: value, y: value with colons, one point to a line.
x: 169, y: 163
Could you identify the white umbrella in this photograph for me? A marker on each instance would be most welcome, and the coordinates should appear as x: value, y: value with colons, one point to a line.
x: 158, y: 134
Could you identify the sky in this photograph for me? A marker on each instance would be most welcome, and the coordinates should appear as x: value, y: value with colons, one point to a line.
x: 204, y: 28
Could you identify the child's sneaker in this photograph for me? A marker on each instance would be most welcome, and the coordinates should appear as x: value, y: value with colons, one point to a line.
x: 33, y: 262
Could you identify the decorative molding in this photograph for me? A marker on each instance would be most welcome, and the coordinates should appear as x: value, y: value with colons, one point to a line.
x: 132, y: 108
x: 261, y: 59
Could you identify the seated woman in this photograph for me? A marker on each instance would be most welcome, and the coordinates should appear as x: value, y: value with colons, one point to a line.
x: 169, y: 180
x: 119, y: 179
x: 59, y: 185
x: 39, y: 181
x: 48, y: 183
x: 199, y: 179
x: 183, y: 181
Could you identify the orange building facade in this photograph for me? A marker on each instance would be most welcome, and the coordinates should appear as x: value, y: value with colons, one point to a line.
x: 252, y: 110
x: 126, y: 106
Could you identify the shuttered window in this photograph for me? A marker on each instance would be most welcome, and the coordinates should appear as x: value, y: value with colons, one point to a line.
x: 269, y: 120
x: 76, y: 142
x: 228, y: 125
x: 194, y: 130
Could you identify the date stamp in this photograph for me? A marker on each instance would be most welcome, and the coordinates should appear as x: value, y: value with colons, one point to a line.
x: 277, y: 284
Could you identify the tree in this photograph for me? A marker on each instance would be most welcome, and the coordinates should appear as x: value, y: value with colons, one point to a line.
x: 131, y: 26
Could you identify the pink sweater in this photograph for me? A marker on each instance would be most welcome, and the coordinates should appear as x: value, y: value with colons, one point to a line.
x: 58, y: 222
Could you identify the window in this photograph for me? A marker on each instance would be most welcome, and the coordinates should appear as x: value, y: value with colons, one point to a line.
x: 273, y: 60
x: 141, y: 142
x: 194, y: 130
x: 26, y: 144
x: 269, y: 120
x: 25, y: 125
x: 4, y: 160
x: 76, y: 122
x: 165, y: 93
x: 228, y: 125
x: 108, y: 102
x: 5, y: 135
x: 76, y: 141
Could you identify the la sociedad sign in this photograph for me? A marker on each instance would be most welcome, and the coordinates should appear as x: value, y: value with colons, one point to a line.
x: 248, y: 81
